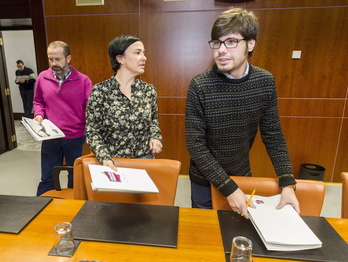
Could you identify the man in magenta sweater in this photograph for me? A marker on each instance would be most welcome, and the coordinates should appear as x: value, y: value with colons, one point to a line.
x: 61, y: 96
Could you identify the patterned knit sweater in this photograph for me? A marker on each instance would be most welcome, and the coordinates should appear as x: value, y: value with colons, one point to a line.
x: 222, y: 119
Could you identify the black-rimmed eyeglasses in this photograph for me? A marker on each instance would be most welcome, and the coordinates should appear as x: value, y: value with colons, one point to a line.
x: 229, y: 43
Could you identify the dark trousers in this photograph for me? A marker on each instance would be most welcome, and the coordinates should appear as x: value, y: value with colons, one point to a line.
x: 148, y: 156
x: 200, y: 196
x: 52, y: 154
x: 27, y: 99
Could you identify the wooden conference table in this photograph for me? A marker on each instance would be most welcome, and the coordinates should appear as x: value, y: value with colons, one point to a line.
x: 199, y: 239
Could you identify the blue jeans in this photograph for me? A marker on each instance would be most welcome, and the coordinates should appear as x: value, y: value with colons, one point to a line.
x: 200, y: 196
x: 52, y: 154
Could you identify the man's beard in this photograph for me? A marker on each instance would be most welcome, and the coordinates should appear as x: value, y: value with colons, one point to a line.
x: 223, y: 71
x: 58, y: 69
x: 226, y: 70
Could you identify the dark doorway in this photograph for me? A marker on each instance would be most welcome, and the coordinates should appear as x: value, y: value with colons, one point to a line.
x: 8, y: 139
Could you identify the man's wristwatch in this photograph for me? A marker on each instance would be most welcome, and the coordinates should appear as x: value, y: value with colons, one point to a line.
x: 290, y: 186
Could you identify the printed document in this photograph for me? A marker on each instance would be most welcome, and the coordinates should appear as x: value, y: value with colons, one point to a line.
x: 47, y: 130
x: 127, y: 180
x: 283, y: 229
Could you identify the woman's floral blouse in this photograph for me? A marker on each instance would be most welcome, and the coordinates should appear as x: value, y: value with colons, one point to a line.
x: 119, y: 127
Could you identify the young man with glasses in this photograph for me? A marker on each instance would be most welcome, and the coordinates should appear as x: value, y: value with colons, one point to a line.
x: 226, y: 105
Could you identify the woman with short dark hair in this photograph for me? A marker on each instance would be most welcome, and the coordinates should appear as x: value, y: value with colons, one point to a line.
x: 122, y: 120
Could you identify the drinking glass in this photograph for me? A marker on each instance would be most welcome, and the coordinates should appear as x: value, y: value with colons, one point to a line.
x: 64, y: 238
x: 241, y: 250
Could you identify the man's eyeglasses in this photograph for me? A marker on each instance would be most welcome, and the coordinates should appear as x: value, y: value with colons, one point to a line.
x: 229, y: 43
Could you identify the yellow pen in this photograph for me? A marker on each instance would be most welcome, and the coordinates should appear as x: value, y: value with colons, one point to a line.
x: 249, y: 200
x: 251, y: 196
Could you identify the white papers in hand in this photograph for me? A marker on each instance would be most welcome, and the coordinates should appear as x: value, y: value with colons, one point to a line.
x: 127, y: 180
x: 47, y: 130
x: 283, y: 229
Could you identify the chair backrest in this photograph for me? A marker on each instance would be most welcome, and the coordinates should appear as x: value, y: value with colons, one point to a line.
x: 309, y: 193
x: 344, y: 205
x: 163, y: 172
x: 79, y: 190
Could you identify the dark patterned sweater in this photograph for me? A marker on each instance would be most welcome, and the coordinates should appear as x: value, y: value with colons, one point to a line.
x: 222, y: 119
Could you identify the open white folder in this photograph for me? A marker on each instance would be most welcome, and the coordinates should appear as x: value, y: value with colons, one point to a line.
x: 283, y: 229
x: 47, y: 130
x: 127, y: 180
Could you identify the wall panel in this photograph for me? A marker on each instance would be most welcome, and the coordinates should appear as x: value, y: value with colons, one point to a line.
x: 310, y: 140
x: 260, y: 163
x: 172, y: 105
x: 311, y: 107
x: 88, y: 38
x: 294, y: 3
x: 174, y: 142
x: 183, y: 6
x: 174, y: 44
x: 68, y: 7
x: 341, y: 163
x: 318, y: 34
x: 172, y: 123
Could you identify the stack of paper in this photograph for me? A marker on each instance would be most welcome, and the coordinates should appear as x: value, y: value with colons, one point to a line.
x: 283, y: 229
x: 128, y: 180
x: 47, y: 130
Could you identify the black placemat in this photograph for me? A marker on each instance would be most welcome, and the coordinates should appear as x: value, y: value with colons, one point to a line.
x: 127, y: 223
x: 17, y: 211
x: 334, y: 248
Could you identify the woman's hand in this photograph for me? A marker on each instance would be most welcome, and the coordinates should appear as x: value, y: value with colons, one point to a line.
x: 110, y: 164
x: 155, y: 146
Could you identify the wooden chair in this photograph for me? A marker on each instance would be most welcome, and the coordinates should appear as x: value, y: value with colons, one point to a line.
x: 163, y: 172
x: 79, y: 190
x: 344, y: 206
x: 309, y: 193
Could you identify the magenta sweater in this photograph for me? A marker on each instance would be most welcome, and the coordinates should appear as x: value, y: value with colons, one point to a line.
x: 64, y: 105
